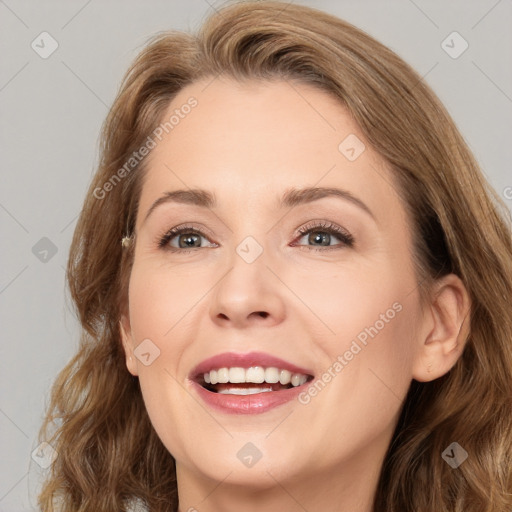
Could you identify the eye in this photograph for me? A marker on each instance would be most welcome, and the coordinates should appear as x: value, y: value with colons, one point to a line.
x: 187, y: 238
x: 323, y: 233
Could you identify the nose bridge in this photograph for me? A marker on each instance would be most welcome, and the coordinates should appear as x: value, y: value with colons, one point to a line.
x: 249, y: 237
x: 248, y: 275
x: 248, y: 290
x: 250, y: 249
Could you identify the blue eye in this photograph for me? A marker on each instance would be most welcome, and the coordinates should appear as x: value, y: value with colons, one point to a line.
x: 323, y: 235
x: 185, y: 243
x: 321, y: 230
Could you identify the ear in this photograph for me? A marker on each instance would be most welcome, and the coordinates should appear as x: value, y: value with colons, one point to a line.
x: 445, y: 331
x: 128, y: 344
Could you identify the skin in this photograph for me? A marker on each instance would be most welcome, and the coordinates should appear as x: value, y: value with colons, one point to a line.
x: 248, y: 143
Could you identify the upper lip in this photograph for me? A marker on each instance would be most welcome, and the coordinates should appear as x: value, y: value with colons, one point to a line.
x: 247, y: 360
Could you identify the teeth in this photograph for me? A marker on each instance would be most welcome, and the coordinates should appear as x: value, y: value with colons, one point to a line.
x: 298, y: 379
x: 285, y: 377
x: 255, y: 375
x: 236, y: 375
x: 271, y: 375
x: 243, y: 391
x: 222, y: 375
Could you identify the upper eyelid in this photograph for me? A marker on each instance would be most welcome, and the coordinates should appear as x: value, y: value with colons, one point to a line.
x: 300, y: 232
x: 203, y: 230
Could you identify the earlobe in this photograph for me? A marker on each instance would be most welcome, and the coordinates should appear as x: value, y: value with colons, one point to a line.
x: 447, y: 329
x: 126, y: 339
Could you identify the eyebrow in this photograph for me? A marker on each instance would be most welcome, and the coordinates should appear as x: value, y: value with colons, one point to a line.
x: 292, y: 197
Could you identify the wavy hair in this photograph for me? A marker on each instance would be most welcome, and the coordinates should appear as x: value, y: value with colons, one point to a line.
x: 108, y: 451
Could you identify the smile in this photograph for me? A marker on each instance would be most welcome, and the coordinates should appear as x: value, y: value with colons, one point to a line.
x: 248, y: 383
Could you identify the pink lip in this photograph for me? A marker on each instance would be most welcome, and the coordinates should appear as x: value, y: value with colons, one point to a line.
x: 233, y: 359
x: 245, y: 404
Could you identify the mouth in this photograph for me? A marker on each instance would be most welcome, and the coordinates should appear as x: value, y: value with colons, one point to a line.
x: 248, y: 383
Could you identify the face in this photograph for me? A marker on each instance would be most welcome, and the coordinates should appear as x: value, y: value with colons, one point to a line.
x: 316, y: 290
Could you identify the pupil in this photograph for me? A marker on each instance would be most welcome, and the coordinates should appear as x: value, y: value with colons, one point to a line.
x: 320, y: 237
x: 185, y: 241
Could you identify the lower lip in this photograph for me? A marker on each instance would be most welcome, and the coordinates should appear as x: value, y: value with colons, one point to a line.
x: 247, y: 404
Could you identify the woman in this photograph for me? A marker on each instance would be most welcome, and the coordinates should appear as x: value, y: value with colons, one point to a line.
x: 294, y: 284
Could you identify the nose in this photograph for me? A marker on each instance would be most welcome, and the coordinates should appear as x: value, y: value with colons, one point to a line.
x: 249, y: 294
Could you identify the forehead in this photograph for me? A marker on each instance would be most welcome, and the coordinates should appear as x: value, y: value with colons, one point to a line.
x: 249, y: 142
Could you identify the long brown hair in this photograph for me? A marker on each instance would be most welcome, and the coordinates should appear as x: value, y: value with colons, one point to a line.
x: 108, y: 451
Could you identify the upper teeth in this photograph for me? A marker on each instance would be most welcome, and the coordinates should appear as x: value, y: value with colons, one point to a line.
x: 254, y: 374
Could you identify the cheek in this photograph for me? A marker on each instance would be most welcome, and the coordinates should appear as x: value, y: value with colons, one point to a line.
x: 377, y: 355
x: 161, y: 297
x: 361, y: 389
x: 158, y: 303
x: 366, y: 337
x: 159, y: 300
x: 358, y: 299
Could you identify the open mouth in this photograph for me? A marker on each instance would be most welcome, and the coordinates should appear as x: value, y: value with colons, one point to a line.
x: 250, y: 381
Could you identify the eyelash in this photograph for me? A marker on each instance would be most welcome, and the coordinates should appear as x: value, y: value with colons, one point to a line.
x: 332, y: 229
x: 347, y: 240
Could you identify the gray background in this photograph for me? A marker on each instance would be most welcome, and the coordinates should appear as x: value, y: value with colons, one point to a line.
x: 51, y: 113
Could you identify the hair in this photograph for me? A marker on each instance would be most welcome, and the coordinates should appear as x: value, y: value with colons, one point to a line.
x: 108, y: 451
